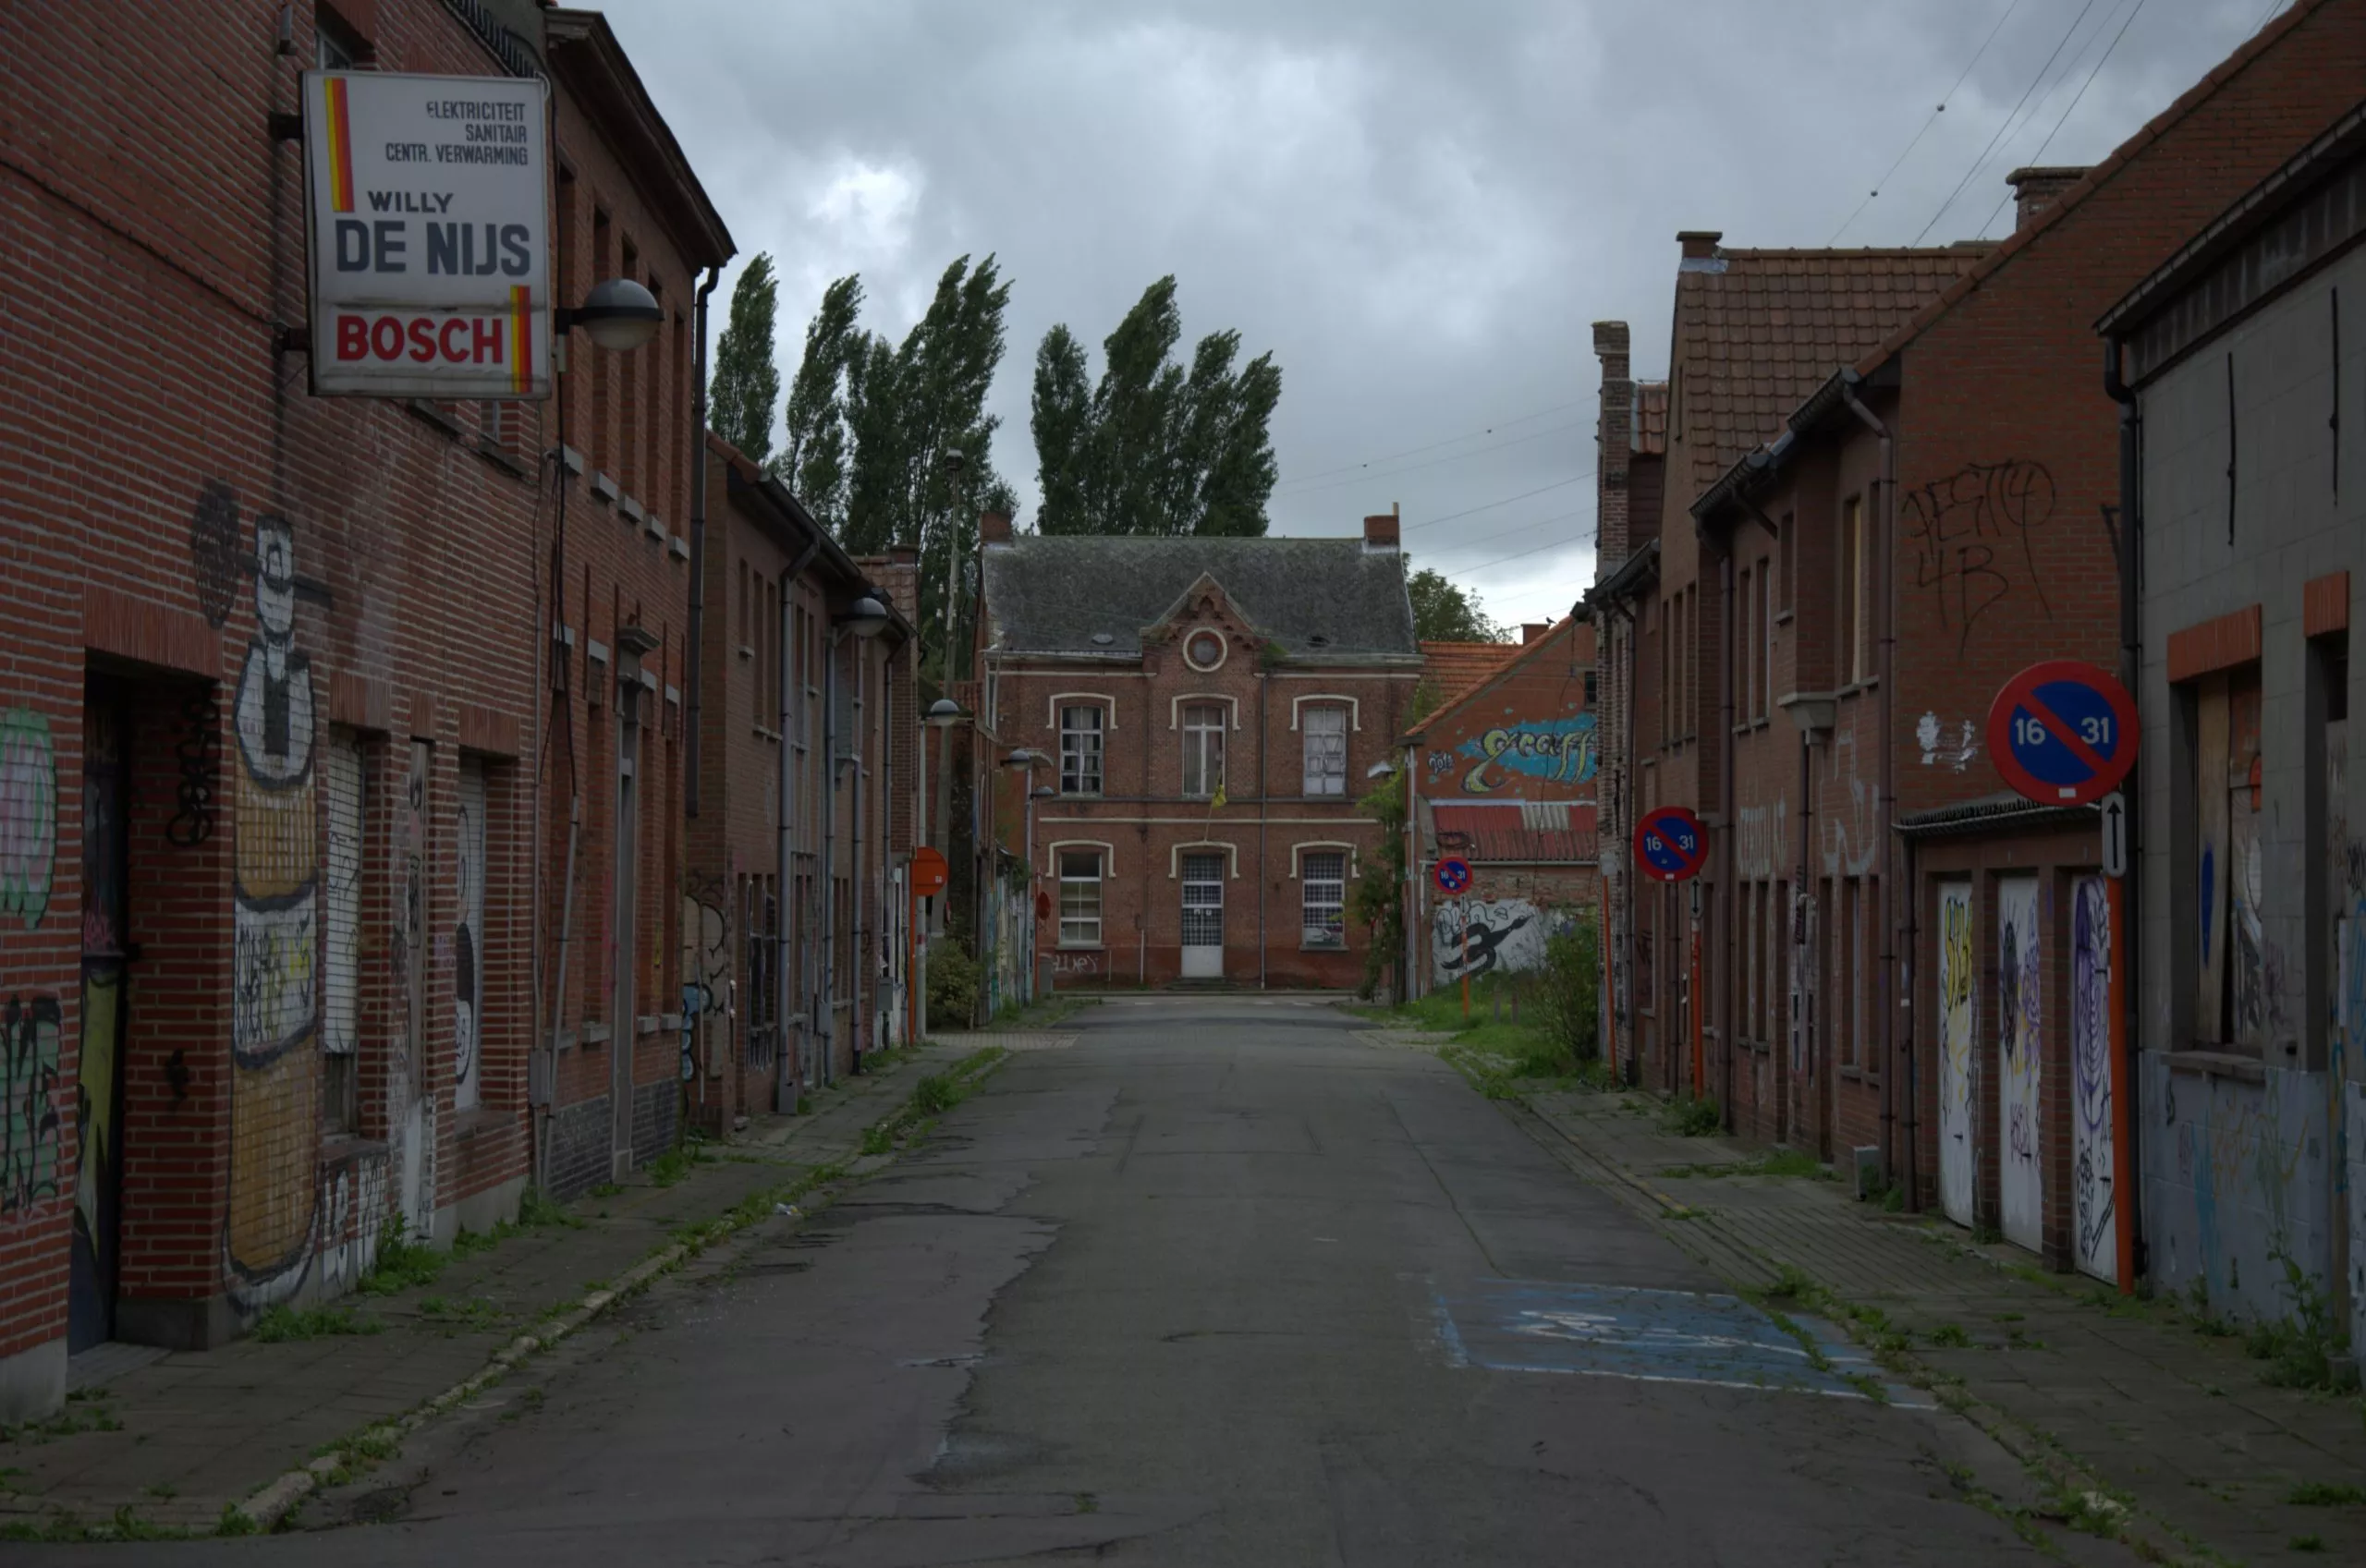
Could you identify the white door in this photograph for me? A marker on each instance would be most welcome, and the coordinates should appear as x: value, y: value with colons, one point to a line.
x: 1203, y: 917
x: 1959, y: 1051
x: 2096, y: 1236
x: 2020, y: 1062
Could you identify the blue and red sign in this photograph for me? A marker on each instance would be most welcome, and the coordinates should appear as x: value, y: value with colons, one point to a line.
x: 1670, y: 845
x: 2063, y: 733
x: 1453, y: 873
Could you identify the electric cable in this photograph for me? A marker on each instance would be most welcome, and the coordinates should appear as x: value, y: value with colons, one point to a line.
x: 1931, y: 119
x: 2058, y: 123
x: 1982, y: 161
x: 1433, y: 446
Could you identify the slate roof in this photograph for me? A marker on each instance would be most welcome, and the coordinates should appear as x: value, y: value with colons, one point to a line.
x: 1454, y: 667
x: 1318, y: 598
x: 1756, y: 331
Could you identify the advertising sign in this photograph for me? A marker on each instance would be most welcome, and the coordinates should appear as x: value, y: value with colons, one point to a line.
x: 427, y: 201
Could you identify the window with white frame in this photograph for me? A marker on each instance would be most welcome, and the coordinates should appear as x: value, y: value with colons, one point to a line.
x: 1322, y: 876
x: 1203, y: 748
x: 1080, y: 727
x: 1326, y: 749
x: 1079, y: 898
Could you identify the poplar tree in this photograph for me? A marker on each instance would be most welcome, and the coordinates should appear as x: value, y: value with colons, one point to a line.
x: 745, y: 388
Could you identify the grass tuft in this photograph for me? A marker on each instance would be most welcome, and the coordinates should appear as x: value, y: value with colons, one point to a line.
x: 281, y: 1324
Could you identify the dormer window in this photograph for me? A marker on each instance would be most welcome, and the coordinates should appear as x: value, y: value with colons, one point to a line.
x: 1204, y: 649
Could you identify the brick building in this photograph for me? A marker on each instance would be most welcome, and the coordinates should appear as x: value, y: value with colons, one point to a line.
x: 1503, y: 776
x: 2250, y: 886
x: 273, y: 686
x: 1207, y: 712
x: 1923, y: 520
x: 787, y: 994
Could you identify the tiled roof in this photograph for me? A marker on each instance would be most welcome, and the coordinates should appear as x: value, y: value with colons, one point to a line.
x: 1452, y: 668
x: 1756, y: 331
x: 1651, y: 418
x: 1515, y: 830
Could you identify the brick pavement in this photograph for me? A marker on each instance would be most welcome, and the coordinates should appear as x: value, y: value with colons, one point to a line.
x: 177, y: 1438
x: 2176, y: 1421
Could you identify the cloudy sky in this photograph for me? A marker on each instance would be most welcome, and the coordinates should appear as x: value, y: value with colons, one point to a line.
x: 1417, y: 205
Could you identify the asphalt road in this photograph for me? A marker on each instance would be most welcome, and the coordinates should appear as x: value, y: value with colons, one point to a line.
x: 1222, y: 1284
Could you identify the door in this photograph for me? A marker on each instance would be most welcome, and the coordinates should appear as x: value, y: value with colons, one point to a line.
x: 1203, y: 917
x: 410, y: 1110
x: 2020, y: 1062
x: 98, y: 1181
x: 2097, y: 1235
x: 1959, y: 1052
x: 623, y: 1030
x: 468, y: 942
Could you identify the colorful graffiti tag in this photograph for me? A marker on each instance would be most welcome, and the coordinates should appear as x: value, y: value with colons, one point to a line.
x: 2020, y: 1050
x: 1555, y: 750
x: 28, y: 814
x: 30, y: 1129
x: 1958, y: 1055
x: 2090, y: 1130
x: 1508, y: 934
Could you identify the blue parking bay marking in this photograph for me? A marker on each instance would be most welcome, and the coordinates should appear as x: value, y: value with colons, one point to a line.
x: 1650, y: 1336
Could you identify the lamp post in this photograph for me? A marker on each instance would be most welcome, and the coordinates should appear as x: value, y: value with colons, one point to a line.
x: 943, y: 714
x: 864, y: 619
x: 1022, y: 757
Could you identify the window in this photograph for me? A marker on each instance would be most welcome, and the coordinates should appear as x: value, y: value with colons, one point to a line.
x: 1765, y: 688
x: 1202, y: 750
x: 1791, y: 559
x: 1079, y: 898
x: 1853, y: 890
x: 1204, y: 649
x: 1326, y: 749
x: 1853, y: 634
x: 335, y: 48
x: 1322, y: 873
x: 2330, y: 917
x: 1080, y: 748
x: 2225, y: 860
x: 1745, y: 651
x: 341, y: 1039
x: 746, y: 622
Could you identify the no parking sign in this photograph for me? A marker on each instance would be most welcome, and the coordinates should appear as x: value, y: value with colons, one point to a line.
x: 1670, y: 845
x: 2063, y: 733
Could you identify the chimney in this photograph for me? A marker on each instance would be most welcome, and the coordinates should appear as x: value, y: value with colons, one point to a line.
x: 1699, y: 244
x: 1530, y: 630
x: 2035, y: 191
x: 994, y: 529
x: 1615, y: 436
x: 1380, y: 533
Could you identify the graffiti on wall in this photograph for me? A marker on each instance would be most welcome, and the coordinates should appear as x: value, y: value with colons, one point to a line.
x: 1553, y: 750
x: 467, y: 941
x: 1762, y: 839
x: 1853, y: 827
x: 2091, y: 1193
x: 198, y: 751
x: 30, y: 1128
x: 1959, y: 1052
x: 2020, y: 1058
x: 274, y: 1111
x: 1968, y: 536
x: 706, y: 966
x: 2236, y: 1178
x: 1952, y: 744
x: 410, y: 1110
x: 1507, y: 934
x: 28, y: 814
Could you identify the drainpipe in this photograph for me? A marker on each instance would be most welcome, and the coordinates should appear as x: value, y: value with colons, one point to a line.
x: 697, y: 660
x: 2126, y: 1188
x: 1262, y: 746
x: 828, y: 1028
x: 1886, y: 601
x: 858, y: 1012
x: 1725, y: 922
x: 784, y: 1093
x: 1411, y: 902
x: 1804, y: 968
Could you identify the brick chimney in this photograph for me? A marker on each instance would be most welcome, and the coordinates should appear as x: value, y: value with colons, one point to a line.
x: 994, y: 529
x: 1615, y: 438
x: 1380, y: 533
x: 2037, y: 189
x: 1699, y: 244
x: 1530, y: 630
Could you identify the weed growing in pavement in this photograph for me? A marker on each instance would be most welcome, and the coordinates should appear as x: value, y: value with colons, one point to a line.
x: 85, y: 1411
x: 283, y: 1323
x: 124, y: 1524
x: 1691, y: 1116
x: 163, y: 1491
x: 539, y: 1209
x: 236, y: 1521
x: 678, y: 1161
x: 401, y: 1262
x: 930, y: 1099
x: 476, y: 1312
x: 2308, y: 1543
x: 1950, y: 1336
x: 606, y: 1189
x: 2310, y: 1350
x: 2319, y: 1494
x: 1780, y: 1162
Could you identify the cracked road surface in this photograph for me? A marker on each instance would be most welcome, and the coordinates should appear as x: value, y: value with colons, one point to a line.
x: 1220, y: 1283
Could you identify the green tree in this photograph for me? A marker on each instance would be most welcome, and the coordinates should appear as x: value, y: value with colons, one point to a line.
x: 746, y: 385
x: 1156, y: 447
x: 816, y: 463
x: 1443, y: 612
x: 1377, y: 901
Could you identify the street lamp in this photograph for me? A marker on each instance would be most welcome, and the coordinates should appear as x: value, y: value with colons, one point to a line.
x: 620, y: 314
x: 943, y: 714
x: 866, y: 617
x: 1021, y: 757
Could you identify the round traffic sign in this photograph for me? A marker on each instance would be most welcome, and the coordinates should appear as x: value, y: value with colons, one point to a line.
x: 930, y: 872
x: 1670, y: 845
x: 2063, y: 733
x: 1453, y: 873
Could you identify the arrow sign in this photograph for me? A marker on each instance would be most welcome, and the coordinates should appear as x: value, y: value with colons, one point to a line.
x: 2063, y: 733
x: 1670, y: 845
x: 2114, y: 810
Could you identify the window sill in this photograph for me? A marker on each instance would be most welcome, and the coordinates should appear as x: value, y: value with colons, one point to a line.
x: 1080, y: 947
x: 1080, y: 795
x: 1784, y: 618
x: 746, y: 652
x: 339, y: 1148
x: 1322, y: 947
x: 2209, y: 1061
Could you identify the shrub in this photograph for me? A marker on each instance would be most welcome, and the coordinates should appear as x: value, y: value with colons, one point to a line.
x: 1568, y: 999
x: 952, y: 986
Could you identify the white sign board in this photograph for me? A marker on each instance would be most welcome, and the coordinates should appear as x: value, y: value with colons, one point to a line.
x: 2113, y: 807
x: 430, y: 238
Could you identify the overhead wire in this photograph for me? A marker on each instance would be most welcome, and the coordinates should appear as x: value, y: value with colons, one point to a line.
x: 1281, y: 493
x: 1931, y: 119
x: 1982, y: 161
x: 1474, y: 511
x: 2058, y: 123
x: 1433, y: 446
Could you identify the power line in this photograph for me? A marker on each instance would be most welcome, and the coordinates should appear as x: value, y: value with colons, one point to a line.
x: 1416, y: 468
x: 1932, y: 120
x: 1982, y: 161
x: 2058, y: 123
x: 1506, y: 560
x: 1523, y: 527
x: 1433, y: 446
x: 1450, y: 516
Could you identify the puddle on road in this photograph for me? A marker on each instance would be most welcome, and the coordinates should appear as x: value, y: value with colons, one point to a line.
x: 1650, y: 1336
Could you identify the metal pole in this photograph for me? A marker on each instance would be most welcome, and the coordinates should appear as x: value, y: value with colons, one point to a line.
x: 920, y: 942
x: 2123, y: 1136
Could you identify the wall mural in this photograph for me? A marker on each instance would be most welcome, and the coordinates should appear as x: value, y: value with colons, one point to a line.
x: 1553, y: 750
x: 467, y: 941
x: 28, y: 814
x: 1508, y: 934
x: 274, y: 1090
x: 2096, y: 1241
x: 1958, y: 1053
x: 30, y: 1128
x: 2020, y: 1052
x: 410, y: 1111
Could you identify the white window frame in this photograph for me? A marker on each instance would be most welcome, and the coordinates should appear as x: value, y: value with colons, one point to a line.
x: 1059, y: 699
x: 1099, y: 747
x: 1307, y: 779
x: 1192, y: 634
x: 1174, y: 706
x: 1332, y: 698
x: 1175, y: 852
x: 1195, y: 752
x: 1104, y: 857
x: 1308, y: 938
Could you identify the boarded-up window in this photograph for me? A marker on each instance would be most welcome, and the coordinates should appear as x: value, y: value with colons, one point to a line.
x: 1325, y: 732
x: 2230, y: 1000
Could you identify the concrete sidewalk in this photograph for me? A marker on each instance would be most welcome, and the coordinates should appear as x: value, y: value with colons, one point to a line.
x: 173, y: 1440
x: 2160, y: 1410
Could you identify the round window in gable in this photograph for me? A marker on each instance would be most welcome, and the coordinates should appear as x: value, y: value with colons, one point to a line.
x: 1319, y: 640
x: 1204, y: 649
x: 1101, y: 639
